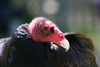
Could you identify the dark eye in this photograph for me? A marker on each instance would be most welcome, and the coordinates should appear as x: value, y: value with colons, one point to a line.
x: 45, y: 28
x: 52, y: 29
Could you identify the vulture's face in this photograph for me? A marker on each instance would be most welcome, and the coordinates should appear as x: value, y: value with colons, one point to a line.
x: 44, y: 30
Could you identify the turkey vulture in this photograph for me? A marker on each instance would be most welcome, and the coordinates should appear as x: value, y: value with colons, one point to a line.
x: 41, y: 44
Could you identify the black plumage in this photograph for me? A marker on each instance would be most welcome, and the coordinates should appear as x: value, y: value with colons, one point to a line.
x: 21, y: 51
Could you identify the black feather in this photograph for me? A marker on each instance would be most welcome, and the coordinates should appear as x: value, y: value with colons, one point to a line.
x: 22, y: 51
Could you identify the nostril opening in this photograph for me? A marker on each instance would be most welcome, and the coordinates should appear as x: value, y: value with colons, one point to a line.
x: 52, y: 29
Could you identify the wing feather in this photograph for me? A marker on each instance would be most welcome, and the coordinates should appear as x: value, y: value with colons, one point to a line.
x: 87, y: 42
x: 2, y: 41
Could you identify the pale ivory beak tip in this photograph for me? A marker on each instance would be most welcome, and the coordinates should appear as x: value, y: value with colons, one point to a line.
x: 65, y: 44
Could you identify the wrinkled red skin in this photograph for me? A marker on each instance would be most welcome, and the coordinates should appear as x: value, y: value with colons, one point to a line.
x: 56, y: 37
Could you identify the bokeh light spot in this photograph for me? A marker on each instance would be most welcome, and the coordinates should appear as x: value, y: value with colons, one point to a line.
x: 50, y: 7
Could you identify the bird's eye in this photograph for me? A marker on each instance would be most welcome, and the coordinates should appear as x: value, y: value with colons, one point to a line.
x: 52, y: 29
x: 45, y: 28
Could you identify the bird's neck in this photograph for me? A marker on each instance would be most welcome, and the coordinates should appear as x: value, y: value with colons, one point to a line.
x: 36, y: 36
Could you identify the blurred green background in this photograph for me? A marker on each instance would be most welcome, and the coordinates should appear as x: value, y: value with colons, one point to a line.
x: 70, y: 16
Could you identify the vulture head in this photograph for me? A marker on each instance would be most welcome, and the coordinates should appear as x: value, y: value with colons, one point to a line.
x: 43, y: 30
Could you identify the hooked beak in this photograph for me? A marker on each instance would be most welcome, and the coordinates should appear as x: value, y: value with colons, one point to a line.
x: 65, y: 44
x: 60, y: 39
